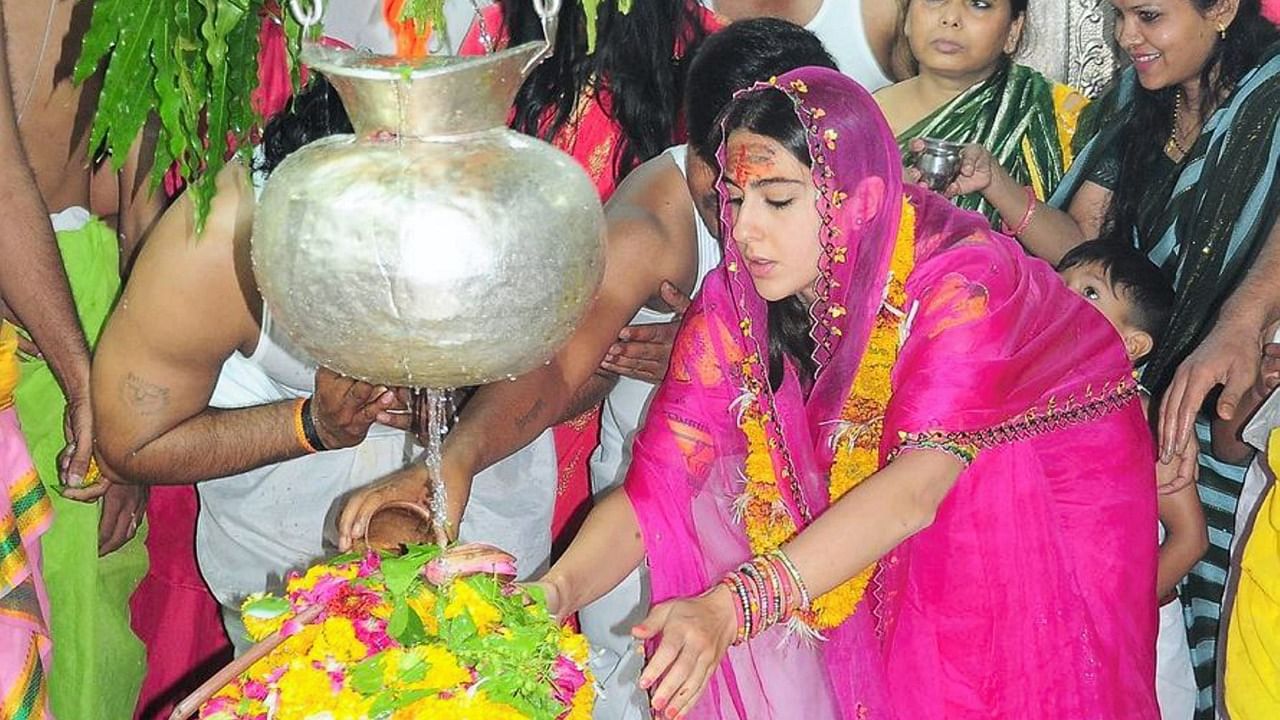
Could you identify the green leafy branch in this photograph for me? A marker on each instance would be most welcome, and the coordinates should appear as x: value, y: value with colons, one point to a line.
x: 187, y: 66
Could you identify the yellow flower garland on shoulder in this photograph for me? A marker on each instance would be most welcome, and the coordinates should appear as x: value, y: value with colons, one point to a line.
x: 857, y: 454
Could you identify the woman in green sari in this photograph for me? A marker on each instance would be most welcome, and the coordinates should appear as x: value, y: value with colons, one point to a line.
x: 969, y: 90
x: 1186, y: 166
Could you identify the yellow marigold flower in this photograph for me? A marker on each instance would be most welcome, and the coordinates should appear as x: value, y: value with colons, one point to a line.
x: 338, y: 641
x: 259, y: 628
x: 464, y: 598
x: 382, y: 610
x: 575, y: 646
x: 256, y: 626
x: 583, y: 701
x: 443, y: 669
x: 293, y: 646
x: 424, y: 604
x: 303, y: 690
x: 315, y: 573
x: 466, y: 706
x: 391, y: 659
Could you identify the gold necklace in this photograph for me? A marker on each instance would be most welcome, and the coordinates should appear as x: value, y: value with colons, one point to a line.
x: 1174, y: 143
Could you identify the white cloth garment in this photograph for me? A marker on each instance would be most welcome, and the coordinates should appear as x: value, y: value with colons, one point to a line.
x: 257, y: 526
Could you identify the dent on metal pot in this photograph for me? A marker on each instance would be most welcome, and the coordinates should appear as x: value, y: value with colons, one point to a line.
x: 435, y: 247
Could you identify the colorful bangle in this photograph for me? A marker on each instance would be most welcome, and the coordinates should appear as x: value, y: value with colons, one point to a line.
x: 1032, y: 204
x: 767, y: 590
x: 307, y: 423
x: 742, y: 608
x: 794, y: 576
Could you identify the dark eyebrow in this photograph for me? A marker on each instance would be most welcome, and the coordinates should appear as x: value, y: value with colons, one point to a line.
x: 767, y: 181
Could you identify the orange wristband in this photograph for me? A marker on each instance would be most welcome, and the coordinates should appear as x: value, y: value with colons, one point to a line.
x: 300, y: 434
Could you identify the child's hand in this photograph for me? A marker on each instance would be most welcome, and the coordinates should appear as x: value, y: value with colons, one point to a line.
x: 1178, y: 473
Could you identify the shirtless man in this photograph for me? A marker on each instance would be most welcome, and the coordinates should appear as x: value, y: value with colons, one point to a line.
x: 655, y: 234
x: 50, y: 117
x: 193, y: 384
x: 876, y: 57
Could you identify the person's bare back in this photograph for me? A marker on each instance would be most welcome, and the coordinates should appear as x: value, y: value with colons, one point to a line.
x: 54, y: 115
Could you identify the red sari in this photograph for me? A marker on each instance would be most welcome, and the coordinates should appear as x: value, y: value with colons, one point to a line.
x: 592, y: 137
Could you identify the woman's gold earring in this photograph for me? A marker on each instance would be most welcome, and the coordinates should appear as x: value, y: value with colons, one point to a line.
x: 1222, y: 30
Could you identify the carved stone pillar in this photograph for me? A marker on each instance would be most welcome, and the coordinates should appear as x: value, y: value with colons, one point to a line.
x: 1071, y: 41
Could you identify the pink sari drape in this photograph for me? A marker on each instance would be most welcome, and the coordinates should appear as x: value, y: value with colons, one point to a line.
x: 1032, y: 594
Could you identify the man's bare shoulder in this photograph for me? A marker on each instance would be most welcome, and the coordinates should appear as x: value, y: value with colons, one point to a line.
x: 182, y: 277
x: 654, y: 195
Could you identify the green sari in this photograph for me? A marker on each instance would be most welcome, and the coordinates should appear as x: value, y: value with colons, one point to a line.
x: 1026, y: 120
x: 98, y: 662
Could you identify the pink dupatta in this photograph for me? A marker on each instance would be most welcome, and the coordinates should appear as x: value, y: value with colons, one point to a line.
x: 1032, y: 594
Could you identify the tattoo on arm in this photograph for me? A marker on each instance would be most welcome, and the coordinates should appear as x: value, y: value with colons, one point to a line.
x: 533, y: 413
x: 145, y: 398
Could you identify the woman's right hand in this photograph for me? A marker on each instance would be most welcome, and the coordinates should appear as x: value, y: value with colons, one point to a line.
x: 978, y: 168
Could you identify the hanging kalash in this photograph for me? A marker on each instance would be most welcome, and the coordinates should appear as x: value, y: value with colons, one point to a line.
x: 433, y: 249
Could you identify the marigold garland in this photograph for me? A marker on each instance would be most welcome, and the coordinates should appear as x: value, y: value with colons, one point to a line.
x: 857, y: 454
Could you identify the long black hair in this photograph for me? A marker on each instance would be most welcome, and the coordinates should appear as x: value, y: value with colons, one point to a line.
x: 635, y: 58
x: 773, y: 115
x: 1148, y: 128
x: 314, y: 113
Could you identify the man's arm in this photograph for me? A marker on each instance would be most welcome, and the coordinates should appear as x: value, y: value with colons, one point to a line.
x: 33, y: 283
x: 189, y: 304
x: 1228, y: 356
x: 140, y: 208
x: 643, y: 219
x: 650, y: 227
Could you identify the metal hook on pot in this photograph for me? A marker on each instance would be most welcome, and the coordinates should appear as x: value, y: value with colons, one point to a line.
x: 549, y: 13
x: 307, y: 19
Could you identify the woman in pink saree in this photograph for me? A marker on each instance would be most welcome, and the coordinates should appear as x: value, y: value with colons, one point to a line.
x: 883, y: 424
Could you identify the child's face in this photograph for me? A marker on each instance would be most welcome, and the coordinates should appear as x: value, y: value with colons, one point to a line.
x: 1089, y: 281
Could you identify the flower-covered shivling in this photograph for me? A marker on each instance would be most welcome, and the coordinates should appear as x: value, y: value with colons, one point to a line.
x: 383, y: 637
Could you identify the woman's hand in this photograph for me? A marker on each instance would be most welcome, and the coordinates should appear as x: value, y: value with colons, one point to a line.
x: 695, y: 634
x: 978, y: 169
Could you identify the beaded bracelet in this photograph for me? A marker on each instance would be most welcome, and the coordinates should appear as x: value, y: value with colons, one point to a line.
x: 1032, y: 204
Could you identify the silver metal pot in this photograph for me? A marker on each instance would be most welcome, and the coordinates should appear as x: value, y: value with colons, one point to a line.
x: 435, y: 247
